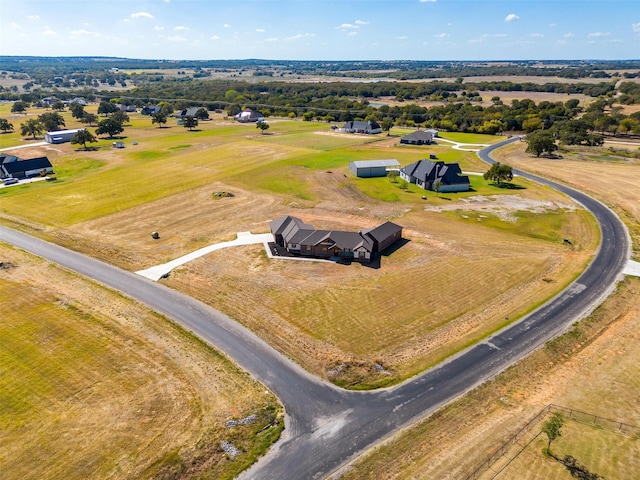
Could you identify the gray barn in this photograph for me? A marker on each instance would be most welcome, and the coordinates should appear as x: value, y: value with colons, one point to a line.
x: 373, y: 168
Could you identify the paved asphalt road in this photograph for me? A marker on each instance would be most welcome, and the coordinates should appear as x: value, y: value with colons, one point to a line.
x: 327, y: 426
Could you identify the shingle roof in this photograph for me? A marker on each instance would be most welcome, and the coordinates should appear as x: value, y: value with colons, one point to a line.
x: 420, y: 135
x: 384, y: 231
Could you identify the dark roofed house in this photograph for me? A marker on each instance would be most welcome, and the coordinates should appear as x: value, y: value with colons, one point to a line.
x: 150, y: 110
x: 421, y: 137
x: 26, y: 168
x: 425, y: 173
x: 357, y: 126
x: 248, y: 116
x: 303, y: 239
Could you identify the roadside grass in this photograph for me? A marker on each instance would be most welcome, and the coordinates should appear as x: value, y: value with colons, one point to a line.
x: 95, y: 386
x: 315, y: 141
x: 475, y: 138
x: 594, y: 367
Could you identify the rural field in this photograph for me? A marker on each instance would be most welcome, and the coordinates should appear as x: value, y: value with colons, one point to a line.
x: 430, y: 298
x: 95, y: 386
x: 592, y: 368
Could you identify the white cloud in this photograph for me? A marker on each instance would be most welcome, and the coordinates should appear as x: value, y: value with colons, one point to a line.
x: 599, y: 34
x: 226, y: 25
x: 428, y: 1
x: 141, y: 15
x: 403, y: 37
x: 84, y: 32
x: 553, y: 25
x: 14, y: 25
x: 569, y: 35
x: 34, y: 17
x: 300, y: 35
x: 260, y: 30
x: 177, y: 39
x: 48, y: 31
x: 214, y: 37
x: 181, y: 28
x: 494, y: 35
x: 441, y: 35
x: 361, y: 22
x: 347, y: 26
x: 158, y: 28
x: 352, y: 34
x: 272, y: 39
x: 537, y: 35
x: 512, y: 17
x: 636, y: 28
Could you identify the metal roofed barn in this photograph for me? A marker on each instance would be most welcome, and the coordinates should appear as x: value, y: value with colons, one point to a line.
x: 373, y: 168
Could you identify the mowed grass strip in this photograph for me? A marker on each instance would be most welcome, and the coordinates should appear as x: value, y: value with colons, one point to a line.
x: 95, y: 386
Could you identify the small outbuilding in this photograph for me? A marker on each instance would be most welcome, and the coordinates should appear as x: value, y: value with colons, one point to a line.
x: 61, y: 136
x: 373, y: 168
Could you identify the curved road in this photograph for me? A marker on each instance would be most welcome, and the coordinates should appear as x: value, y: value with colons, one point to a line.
x: 327, y: 426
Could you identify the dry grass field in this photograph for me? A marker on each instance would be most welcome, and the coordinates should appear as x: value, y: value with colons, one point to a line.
x: 96, y: 386
x: 593, y: 368
x: 432, y: 297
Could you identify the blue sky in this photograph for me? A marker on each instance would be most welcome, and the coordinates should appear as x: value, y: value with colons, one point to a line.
x: 323, y: 29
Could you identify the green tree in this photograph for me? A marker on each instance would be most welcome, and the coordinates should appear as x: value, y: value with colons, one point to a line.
x: 189, y: 122
x: 386, y: 125
x: 499, y: 173
x: 77, y: 110
x: 263, y: 126
x: 552, y: 428
x: 109, y: 126
x: 120, y: 116
x: 106, y: 108
x: 532, y: 124
x: 89, y: 118
x: 159, y: 118
x: 166, y: 108
x: 82, y: 137
x: 58, y: 106
x: 308, y: 116
x: 539, y: 142
x: 33, y: 126
x: 51, y: 121
x: 202, y: 114
x: 5, y: 125
x: 19, y: 107
x: 393, y: 176
x: 436, y: 186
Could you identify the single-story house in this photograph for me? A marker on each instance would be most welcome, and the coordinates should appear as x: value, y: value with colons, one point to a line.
x: 188, y: 112
x: 150, y: 110
x: 20, y: 168
x: 373, y: 168
x: 248, y: 116
x: 61, y: 136
x: 425, y: 173
x: 79, y: 101
x: 127, y: 108
x: 358, y: 126
x: 420, y: 137
x: 300, y: 238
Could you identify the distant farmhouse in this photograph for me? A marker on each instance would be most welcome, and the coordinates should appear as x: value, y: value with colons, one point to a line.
x: 150, y: 110
x: 248, y: 116
x: 357, y: 126
x: 126, y: 108
x: 373, y: 168
x: 425, y: 173
x: 302, y: 239
x: 61, y: 136
x: 15, y: 167
x: 421, y: 137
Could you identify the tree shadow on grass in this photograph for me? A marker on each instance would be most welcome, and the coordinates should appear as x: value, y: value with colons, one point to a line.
x: 508, y: 186
x: 576, y: 470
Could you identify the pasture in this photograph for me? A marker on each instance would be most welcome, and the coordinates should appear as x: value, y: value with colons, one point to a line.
x: 432, y: 297
x: 96, y: 386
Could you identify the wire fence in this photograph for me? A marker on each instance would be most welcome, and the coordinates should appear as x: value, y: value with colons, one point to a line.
x: 500, y: 459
